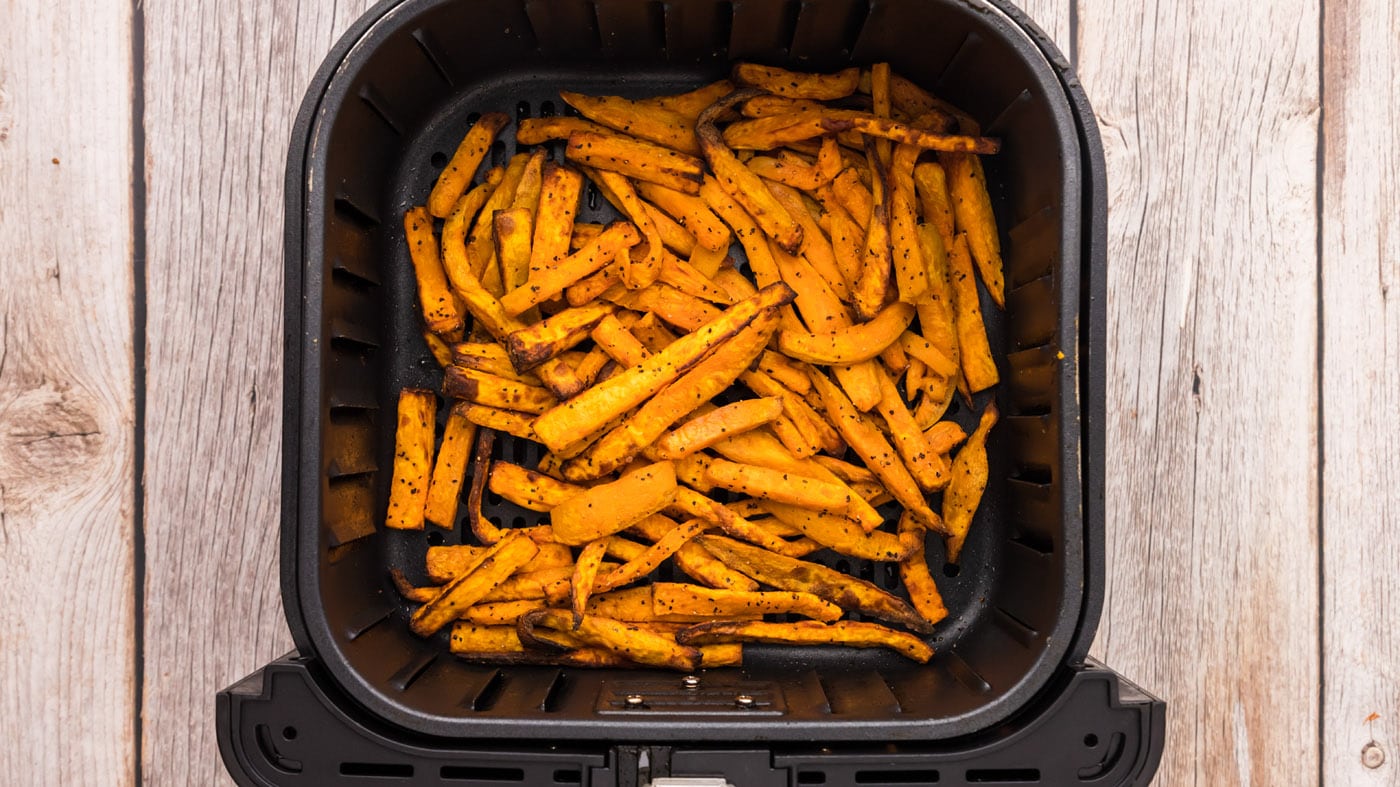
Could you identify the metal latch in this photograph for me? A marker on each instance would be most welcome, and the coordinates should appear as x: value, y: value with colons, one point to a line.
x: 689, y: 781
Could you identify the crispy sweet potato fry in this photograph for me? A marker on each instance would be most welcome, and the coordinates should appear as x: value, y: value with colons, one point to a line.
x: 445, y: 563
x: 689, y: 105
x: 740, y: 183
x: 500, y: 613
x: 645, y: 257
x: 944, y: 436
x: 650, y: 558
x: 481, y: 527
x: 680, y: 274
x: 512, y: 231
x: 458, y: 173
x: 504, y: 558
x: 852, y: 634
x: 550, y: 584
x: 924, y: 464
x: 590, y: 410
x: 560, y: 189
x: 837, y: 533
x: 441, y: 350
x: 618, y: 342
x: 493, y: 391
x: 931, y: 186
x: 531, y: 346
x: 691, y: 212
x: 876, y: 258
x: 550, y: 278
x: 762, y: 482
x: 640, y: 119
x: 849, y: 345
x: 512, y: 423
x: 816, y: 249
x: 700, y: 384
x: 793, y: 84
x: 703, y: 431
x: 413, y: 459
x: 608, y: 508
x: 529, y: 489
x: 978, y: 367
x: 790, y: 373
x: 693, y: 504
x: 450, y: 468
x: 708, y: 261
x: 972, y: 209
x: 790, y: 574
x: 683, y: 603
x: 478, y: 638
x: 585, y: 573
x: 677, y: 308
x: 481, y: 242
x: 632, y: 641
x: 537, y: 131
x: 969, y: 481
x: 675, y: 239
x: 491, y: 358
x: 867, y: 441
x: 636, y: 159
x: 936, y: 362
x: 439, y: 307
x: 910, y: 270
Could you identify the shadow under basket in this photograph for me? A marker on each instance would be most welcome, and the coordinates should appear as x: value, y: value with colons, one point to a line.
x: 382, y: 115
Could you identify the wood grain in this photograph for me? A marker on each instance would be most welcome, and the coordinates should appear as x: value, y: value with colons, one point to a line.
x: 1209, y: 113
x: 67, y: 412
x: 1361, y: 391
x: 223, y: 82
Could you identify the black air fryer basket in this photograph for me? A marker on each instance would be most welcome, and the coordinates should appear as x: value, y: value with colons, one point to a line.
x: 1009, y: 697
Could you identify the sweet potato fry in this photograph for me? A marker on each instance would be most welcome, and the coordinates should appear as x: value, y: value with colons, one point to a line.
x: 906, y: 134
x: 677, y: 308
x: 931, y: 186
x: 675, y: 239
x: 910, y: 270
x: 550, y: 278
x: 790, y: 574
x: 439, y: 307
x: 978, y: 367
x: 868, y: 443
x: 936, y: 362
x: 537, y: 131
x: 550, y: 584
x: 645, y: 257
x: 816, y: 249
x: 445, y: 563
x: 699, y: 384
x: 837, y: 533
x: 690, y: 503
x: 944, y: 436
x: 491, y: 358
x: 683, y: 276
x: 691, y: 212
x: 969, y: 481
x: 633, y: 641
x: 650, y: 558
x: 793, y: 84
x: 634, y: 158
x: 924, y: 464
x: 413, y: 459
x: 441, y: 350
x: 708, y: 261
x: 682, y: 603
x: 590, y: 288
x: 477, y: 638
x: 457, y: 175
x: 618, y: 342
x: 493, y: 391
x: 513, y: 229
x: 590, y: 410
x: 500, y: 613
x: 849, y: 345
x: 972, y: 210
x: 854, y: 197
x: 740, y: 183
x: 689, y: 105
x: 560, y: 189
x: 640, y: 119
x: 868, y: 296
x: 512, y: 423
x: 849, y: 633
x: 585, y: 572
x: 531, y: 346
x: 504, y: 558
x: 701, y: 432
x: 762, y: 482
x: 485, y: 531
x: 776, y: 131
x: 529, y: 489
x: 608, y: 508
x: 450, y: 468
x: 481, y: 242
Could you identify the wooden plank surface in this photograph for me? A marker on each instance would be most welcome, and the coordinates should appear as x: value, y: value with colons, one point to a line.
x: 1361, y: 393
x: 1209, y: 113
x: 67, y: 412
x: 223, y: 83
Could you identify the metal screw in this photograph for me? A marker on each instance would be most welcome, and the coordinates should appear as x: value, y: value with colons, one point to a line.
x: 744, y: 701
x: 635, y: 701
x: 690, y: 682
x: 1372, y: 756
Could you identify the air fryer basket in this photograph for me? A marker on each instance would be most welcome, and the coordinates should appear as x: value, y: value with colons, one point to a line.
x: 396, y: 95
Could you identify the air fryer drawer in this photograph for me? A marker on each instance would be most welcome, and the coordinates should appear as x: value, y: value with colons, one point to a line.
x: 398, y: 92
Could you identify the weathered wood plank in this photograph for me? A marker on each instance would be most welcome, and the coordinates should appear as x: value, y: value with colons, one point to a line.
x: 223, y: 82
x: 1361, y: 393
x: 1052, y: 16
x: 1209, y: 113
x: 67, y: 403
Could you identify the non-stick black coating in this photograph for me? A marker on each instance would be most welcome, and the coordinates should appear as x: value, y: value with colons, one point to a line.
x: 401, y: 99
